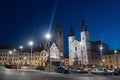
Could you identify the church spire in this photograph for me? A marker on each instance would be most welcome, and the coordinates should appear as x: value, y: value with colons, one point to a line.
x: 57, y: 23
x: 71, y: 31
x: 84, y: 27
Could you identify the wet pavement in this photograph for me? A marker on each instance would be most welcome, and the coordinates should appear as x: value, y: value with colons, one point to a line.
x: 14, y: 74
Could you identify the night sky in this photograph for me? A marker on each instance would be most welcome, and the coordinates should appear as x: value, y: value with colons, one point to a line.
x: 25, y: 20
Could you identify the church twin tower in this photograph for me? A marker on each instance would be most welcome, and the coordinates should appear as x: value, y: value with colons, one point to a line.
x: 79, y: 50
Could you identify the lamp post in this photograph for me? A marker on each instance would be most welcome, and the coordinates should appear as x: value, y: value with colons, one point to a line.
x: 10, y: 58
x: 115, y: 58
x: 48, y: 36
x: 31, y: 45
x: 21, y: 47
x: 101, y: 55
x: 14, y: 51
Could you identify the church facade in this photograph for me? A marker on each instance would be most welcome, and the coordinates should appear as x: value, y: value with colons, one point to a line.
x: 79, y: 51
x: 57, y: 47
x: 84, y: 52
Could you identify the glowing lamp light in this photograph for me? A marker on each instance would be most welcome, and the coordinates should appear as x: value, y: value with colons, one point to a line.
x: 101, y: 47
x: 10, y: 52
x: 48, y: 36
x: 14, y: 49
x: 31, y: 43
x: 103, y: 60
x: 115, y: 51
x: 25, y: 58
x: 21, y: 47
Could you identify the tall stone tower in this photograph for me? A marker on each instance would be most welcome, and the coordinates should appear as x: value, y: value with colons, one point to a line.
x: 71, y: 38
x: 58, y: 36
x: 85, y: 44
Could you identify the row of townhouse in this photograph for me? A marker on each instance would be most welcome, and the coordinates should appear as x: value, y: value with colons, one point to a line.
x: 111, y: 60
x: 14, y: 57
x: 10, y: 56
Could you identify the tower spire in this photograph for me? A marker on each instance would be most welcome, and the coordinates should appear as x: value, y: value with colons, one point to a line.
x: 84, y: 27
x: 71, y: 31
x: 57, y: 23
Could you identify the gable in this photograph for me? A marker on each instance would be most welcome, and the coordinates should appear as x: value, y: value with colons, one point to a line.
x: 54, y: 47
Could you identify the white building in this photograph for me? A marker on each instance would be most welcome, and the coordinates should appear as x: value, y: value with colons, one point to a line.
x: 54, y: 52
x: 79, y: 51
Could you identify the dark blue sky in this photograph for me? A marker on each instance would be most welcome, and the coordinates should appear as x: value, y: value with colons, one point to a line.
x: 24, y: 20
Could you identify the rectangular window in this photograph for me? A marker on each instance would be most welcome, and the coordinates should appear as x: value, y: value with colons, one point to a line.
x: 75, y: 48
x: 109, y: 56
x: 105, y: 57
x: 110, y: 61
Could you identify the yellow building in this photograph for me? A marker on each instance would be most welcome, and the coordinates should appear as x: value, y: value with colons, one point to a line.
x: 111, y: 60
x: 66, y: 62
x: 24, y: 58
x: 8, y: 56
x: 40, y: 58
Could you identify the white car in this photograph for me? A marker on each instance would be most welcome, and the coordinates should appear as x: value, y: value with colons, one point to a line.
x: 110, y: 71
x: 99, y: 71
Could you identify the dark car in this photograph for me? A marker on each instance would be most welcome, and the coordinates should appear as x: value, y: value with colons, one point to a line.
x: 40, y: 68
x: 7, y: 66
x: 12, y: 66
x: 116, y: 72
x: 61, y: 69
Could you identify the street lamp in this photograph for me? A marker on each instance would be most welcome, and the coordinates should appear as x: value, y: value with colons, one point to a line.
x: 21, y: 47
x: 48, y: 36
x: 101, y: 48
x: 10, y: 58
x: 101, y: 55
x: 115, y: 51
x: 14, y: 50
x: 31, y: 45
x: 10, y: 52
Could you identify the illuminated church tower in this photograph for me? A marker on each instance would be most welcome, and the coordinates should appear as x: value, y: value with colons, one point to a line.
x: 85, y: 44
x: 79, y: 50
x: 58, y: 36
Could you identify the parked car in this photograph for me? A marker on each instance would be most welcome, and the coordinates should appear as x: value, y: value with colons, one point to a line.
x: 61, y: 69
x: 80, y: 70
x: 40, y: 68
x: 116, y: 72
x: 110, y: 71
x: 13, y: 66
x: 70, y: 69
x: 101, y: 71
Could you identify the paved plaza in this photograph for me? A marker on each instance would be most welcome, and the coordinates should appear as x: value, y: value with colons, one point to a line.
x: 14, y: 74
